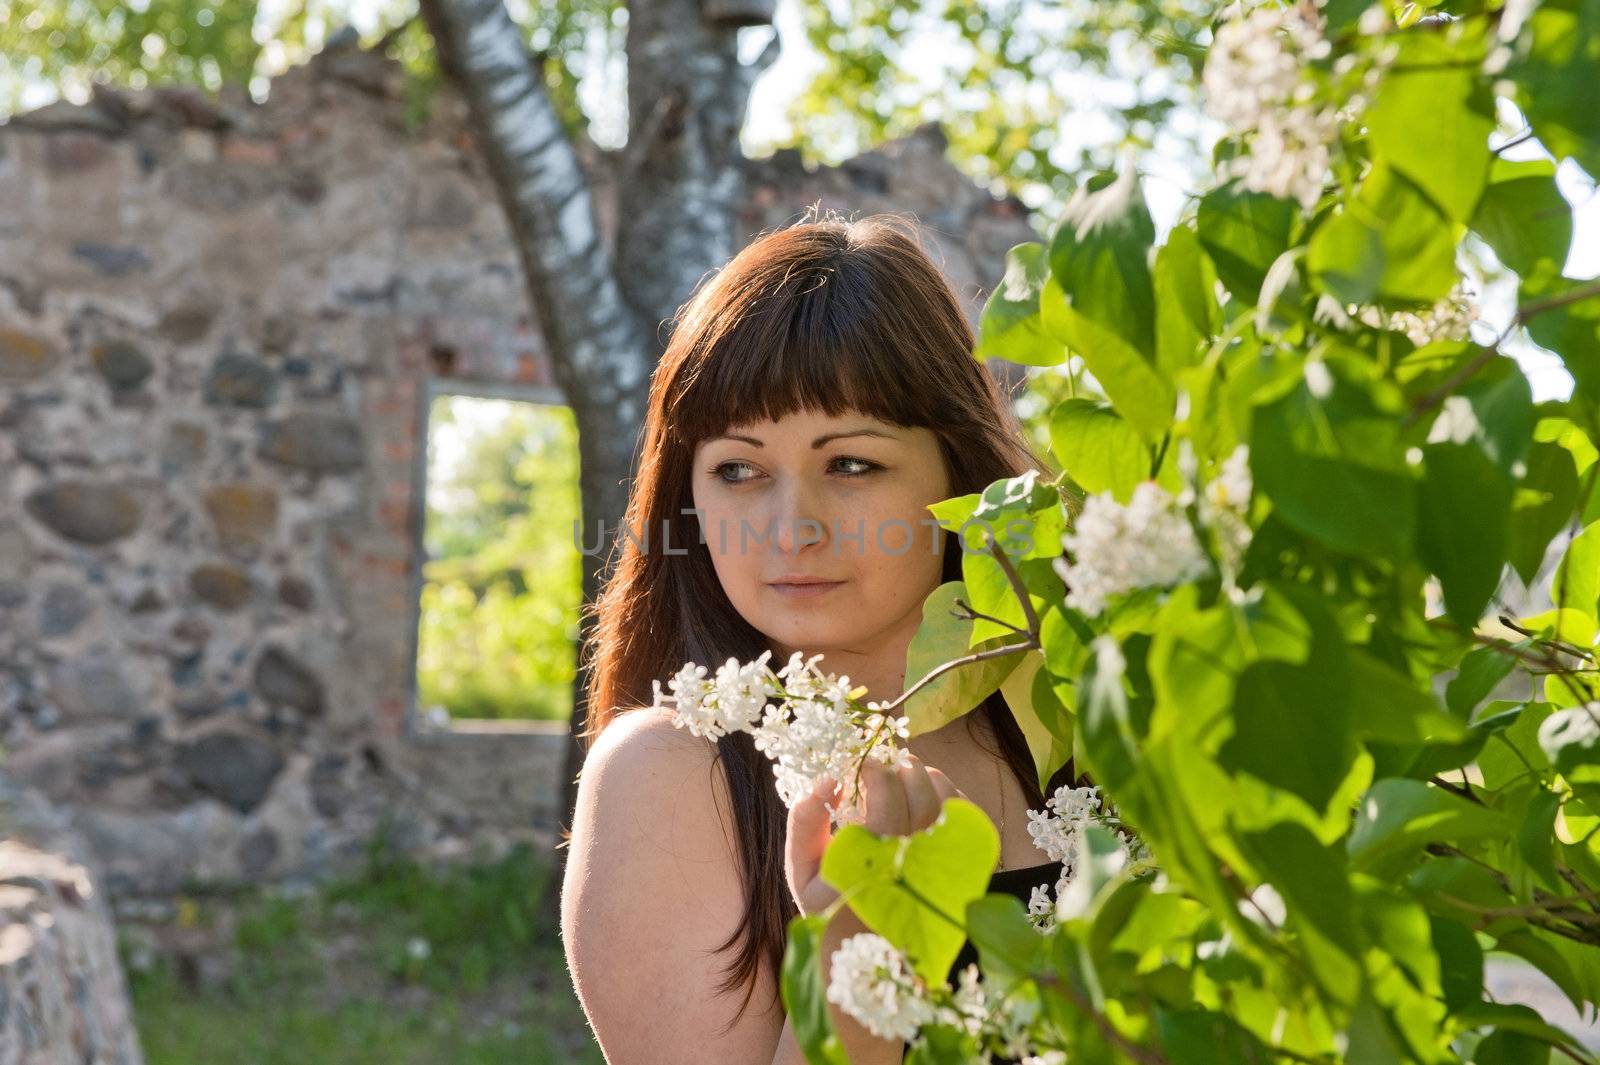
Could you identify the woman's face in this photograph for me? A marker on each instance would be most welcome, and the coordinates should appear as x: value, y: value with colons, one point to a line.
x: 837, y: 499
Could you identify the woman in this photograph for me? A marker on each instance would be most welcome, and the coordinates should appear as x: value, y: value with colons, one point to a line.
x: 817, y: 394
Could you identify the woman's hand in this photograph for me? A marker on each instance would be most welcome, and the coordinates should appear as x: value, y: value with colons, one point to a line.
x: 897, y: 801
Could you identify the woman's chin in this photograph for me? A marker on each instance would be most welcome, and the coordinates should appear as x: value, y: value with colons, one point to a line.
x: 809, y: 638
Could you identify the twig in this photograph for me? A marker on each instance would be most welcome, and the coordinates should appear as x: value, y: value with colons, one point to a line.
x: 1484, y: 357
x: 1017, y: 586
x: 973, y: 615
x: 1143, y: 1054
x: 1560, y: 645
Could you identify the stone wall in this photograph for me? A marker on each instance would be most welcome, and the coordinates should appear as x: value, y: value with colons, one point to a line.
x: 62, y: 993
x: 219, y: 325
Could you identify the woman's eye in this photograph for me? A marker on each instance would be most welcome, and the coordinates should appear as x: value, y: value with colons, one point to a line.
x: 860, y: 466
x: 720, y: 471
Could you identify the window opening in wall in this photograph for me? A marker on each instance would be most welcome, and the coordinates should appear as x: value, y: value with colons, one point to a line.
x: 500, y: 581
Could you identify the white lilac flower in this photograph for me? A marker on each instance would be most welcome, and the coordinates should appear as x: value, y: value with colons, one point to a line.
x: 969, y: 1007
x: 1058, y: 831
x: 1042, y: 908
x: 803, y: 719
x: 808, y: 740
x: 1231, y: 486
x: 1449, y: 319
x: 1055, y: 830
x: 1049, y: 1057
x: 1224, y: 506
x: 870, y: 980
x: 1568, y: 726
x: 1000, y: 1024
x: 1011, y: 1025
x: 1255, y: 80
x: 731, y: 701
x: 1265, y: 905
x: 688, y: 700
x: 1116, y: 548
x: 1457, y: 423
x: 1319, y: 379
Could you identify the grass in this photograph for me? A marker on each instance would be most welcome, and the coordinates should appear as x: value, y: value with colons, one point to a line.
x: 399, y: 965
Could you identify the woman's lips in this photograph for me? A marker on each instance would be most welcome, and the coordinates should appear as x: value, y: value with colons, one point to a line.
x: 809, y: 590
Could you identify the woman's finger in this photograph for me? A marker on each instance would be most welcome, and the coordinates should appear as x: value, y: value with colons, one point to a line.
x: 943, y: 786
x: 884, y: 798
x: 810, y: 829
x: 923, y: 802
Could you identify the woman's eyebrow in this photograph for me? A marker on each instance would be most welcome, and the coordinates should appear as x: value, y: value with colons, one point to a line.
x: 818, y: 442
x: 863, y: 431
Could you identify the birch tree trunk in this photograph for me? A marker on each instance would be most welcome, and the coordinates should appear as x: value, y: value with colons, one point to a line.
x: 604, y: 314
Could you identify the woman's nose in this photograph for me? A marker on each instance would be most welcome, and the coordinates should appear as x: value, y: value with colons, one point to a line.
x: 800, y: 522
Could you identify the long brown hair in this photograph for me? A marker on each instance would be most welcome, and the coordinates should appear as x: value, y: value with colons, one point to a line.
x: 829, y: 315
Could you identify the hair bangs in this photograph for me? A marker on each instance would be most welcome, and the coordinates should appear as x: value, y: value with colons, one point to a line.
x: 820, y: 340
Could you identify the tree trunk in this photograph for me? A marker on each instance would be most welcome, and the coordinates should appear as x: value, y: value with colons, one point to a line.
x: 604, y: 315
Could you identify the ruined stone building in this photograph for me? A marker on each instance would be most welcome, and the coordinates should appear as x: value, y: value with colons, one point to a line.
x: 220, y: 326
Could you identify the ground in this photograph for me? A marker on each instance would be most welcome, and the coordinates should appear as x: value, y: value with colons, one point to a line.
x: 401, y: 965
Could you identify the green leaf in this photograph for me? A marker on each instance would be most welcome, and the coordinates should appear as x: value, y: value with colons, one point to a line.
x: 1102, y: 303
x: 1431, y: 117
x: 1457, y: 888
x: 1460, y: 962
x: 1011, y: 328
x: 1571, y: 329
x: 990, y: 592
x: 1543, y: 502
x: 1009, y: 948
x: 1523, y: 215
x: 1506, y: 1047
x: 1386, y: 706
x: 1515, y: 1017
x: 1566, y: 624
x: 804, y: 995
x: 1371, y: 1037
x: 957, y: 511
x: 1099, y: 255
x: 1556, y: 67
x: 1313, y: 879
x: 940, y: 1044
x: 1390, y: 242
x: 1464, y: 516
x: 914, y: 890
x: 941, y: 638
x: 1480, y: 673
x: 1196, y: 655
x: 1141, y: 394
x: 1186, y: 300
x: 1514, y: 749
x: 1195, y: 1036
x: 1397, y: 817
x: 1025, y: 515
x: 1536, y: 837
x: 1502, y: 410
x: 1097, y: 448
x: 1394, y: 918
x: 1045, y: 723
x: 1576, y: 583
x: 1541, y: 950
x: 1292, y: 730
x: 1244, y: 233
x: 1345, y: 489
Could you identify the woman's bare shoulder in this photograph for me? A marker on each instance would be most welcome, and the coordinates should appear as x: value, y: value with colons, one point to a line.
x: 645, y: 779
x: 638, y: 730
x: 652, y: 890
